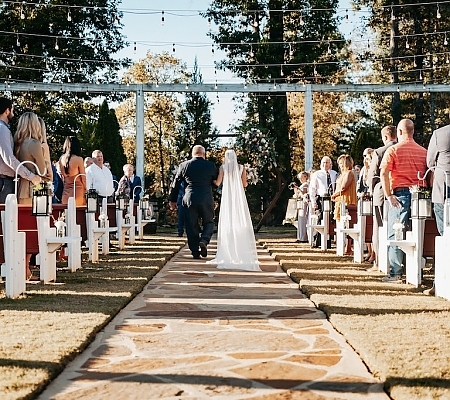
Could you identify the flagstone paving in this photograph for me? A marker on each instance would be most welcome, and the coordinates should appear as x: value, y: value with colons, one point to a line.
x: 196, y: 332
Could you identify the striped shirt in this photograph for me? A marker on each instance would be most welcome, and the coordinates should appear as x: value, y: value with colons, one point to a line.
x: 403, y: 161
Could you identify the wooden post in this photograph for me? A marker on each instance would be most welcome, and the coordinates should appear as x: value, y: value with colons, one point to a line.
x: 14, y: 250
x: 73, y: 230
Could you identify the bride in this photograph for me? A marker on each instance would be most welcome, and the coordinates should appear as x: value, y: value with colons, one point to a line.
x: 236, y: 247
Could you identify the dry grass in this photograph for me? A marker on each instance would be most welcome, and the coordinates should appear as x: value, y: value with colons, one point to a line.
x: 49, y: 325
x: 401, y: 334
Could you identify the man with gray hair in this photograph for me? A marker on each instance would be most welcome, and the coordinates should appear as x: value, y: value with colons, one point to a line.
x: 198, y: 175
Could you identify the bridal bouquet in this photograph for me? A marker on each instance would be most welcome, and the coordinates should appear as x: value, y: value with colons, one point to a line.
x: 252, y: 175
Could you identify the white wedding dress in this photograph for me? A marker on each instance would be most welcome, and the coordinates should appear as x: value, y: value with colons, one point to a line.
x: 236, y: 246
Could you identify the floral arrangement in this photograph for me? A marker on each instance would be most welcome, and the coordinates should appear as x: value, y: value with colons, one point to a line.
x: 252, y: 175
x: 127, y: 218
x: 259, y: 148
x: 398, y: 225
x: 102, y: 217
x: 426, y: 191
x: 60, y: 224
x: 43, y: 185
x: 346, y: 217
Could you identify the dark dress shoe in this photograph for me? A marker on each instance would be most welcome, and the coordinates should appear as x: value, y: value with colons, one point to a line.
x: 203, y: 249
x: 196, y: 256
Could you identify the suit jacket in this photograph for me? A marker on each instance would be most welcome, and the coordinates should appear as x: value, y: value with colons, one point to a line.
x: 438, y: 154
x: 198, y: 175
x: 373, y: 176
x: 136, y: 182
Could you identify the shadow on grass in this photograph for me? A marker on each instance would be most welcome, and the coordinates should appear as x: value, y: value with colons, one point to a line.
x: 430, y: 382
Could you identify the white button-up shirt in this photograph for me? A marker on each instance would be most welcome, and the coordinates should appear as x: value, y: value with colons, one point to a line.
x: 100, y: 179
x: 318, y: 185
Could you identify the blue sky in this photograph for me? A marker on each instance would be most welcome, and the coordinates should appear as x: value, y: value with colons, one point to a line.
x: 187, y: 30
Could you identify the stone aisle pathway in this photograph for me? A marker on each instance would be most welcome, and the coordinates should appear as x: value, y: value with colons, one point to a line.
x: 196, y: 332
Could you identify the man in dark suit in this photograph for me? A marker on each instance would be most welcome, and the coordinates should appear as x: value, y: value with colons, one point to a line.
x: 389, y: 138
x: 198, y: 175
x: 438, y: 155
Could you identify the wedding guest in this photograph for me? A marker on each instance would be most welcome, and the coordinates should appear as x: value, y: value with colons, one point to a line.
x: 8, y: 162
x: 99, y: 177
x: 73, y: 173
x: 301, y: 192
x: 28, y: 147
x: 399, y: 169
x: 130, y: 184
x: 88, y: 161
x: 362, y: 189
x: 345, y: 190
x: 322, y: 182
x: 389, y: 138
x: 438, y: 156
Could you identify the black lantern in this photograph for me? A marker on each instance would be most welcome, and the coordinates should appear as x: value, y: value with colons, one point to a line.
x: 366, y: 206
x: 91, y: 201
x: 326, y: 202
x: 121, y: 201
x: 41, y: 204
x: 420, y: 205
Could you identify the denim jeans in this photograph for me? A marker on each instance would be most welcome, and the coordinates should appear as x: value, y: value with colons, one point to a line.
x: 403, y: 215
x: 439, y: 214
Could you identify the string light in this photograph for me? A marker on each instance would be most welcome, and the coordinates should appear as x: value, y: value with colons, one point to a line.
x: 69, y: 16
x: 134, y: 48
x: 18, y: 41
x: 438, y: 13
x: 407, y: 43
x: 212, y: 50
x: 173, y: 48
x: 162, y: 18
x: 56, y: 45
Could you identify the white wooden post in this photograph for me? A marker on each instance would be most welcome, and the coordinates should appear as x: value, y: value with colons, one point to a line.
x: 413, y: 248
x: 358, y: 234
x: 73, y: 230
x: 383, y: 255
x: 14, y: 250
x: 105, y: 238
x: 132, y: 231
x: 341, y: 236
x: 92, y: 236
x: 441, y: 257
x: 309, y: 128
x: 121, y: 229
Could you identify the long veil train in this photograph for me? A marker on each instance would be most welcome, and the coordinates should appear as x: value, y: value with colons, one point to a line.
x: 236, y: 246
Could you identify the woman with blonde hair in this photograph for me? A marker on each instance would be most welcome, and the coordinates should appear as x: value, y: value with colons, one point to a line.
x: 28, y: 147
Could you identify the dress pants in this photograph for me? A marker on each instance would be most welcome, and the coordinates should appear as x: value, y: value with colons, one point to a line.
x: 194, y: 213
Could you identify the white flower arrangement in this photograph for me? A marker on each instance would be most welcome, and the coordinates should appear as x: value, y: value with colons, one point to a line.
x: 252, y: 175
x: 398, y: 225
x: 60, y: 225
x: 346, y: 217
x: 102, y: 218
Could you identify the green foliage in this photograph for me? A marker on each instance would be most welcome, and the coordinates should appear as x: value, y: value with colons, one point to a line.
x: 107, y: 138
x: 411, y: 46
x: 265, y: 44
x: 85, y: 52
x: 195, y: 125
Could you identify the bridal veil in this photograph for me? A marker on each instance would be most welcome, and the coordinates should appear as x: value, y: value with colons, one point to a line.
x: 236, y: 247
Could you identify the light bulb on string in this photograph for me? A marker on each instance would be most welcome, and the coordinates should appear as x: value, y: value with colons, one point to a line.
x: 301, y: 22
x: 218, y: 100
x: 209, y: 21
x: 420, y: 75
x: 173, y: 48
x: 162, y: 18
x: 134, y: 48
x: 438, y: 12
x: 215, y: 85
x: 445, y: 39
x: 415, y: 63
x: 407, y: 43
x: 69, y: 16
x: 22, y: 13
x: 281, y: 71
x: 56, y: 44
x: 17, y: 41
x: 392, y: 14
x: 346, y: 15
x: 212, y: 50
x: 291, y: 52
x: 251, y: 52
x: 329, y: 49
x: 447, y: 61
x: 274, y: 85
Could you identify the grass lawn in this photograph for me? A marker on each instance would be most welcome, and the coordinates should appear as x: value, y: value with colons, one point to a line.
x: 49, y: 325
x: 401, y: 334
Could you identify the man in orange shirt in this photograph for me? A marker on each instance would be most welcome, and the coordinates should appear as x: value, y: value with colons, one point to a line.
x: 398, y: 172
